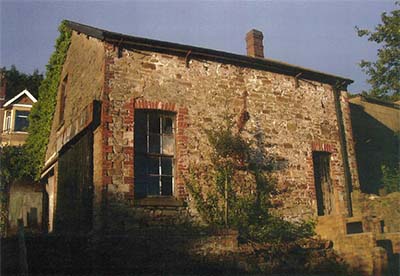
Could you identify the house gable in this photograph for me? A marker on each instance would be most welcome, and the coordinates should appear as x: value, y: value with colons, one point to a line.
x: 290, y: 110
x: 14, y: 119
x: 81, y: 82
x: 24, y: 97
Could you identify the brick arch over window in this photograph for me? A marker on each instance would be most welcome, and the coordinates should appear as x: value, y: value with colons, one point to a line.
x: 181, y: 152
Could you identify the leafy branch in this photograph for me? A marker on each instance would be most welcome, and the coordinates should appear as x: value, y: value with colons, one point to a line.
x: 230, y: 202
x: 384, y: 74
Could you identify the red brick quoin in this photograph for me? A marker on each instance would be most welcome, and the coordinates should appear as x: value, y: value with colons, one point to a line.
x: 181, y: 159
x: 106, y: 119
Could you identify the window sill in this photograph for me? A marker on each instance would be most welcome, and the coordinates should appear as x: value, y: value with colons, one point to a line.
x: 14, y: 132
x: 167, y: 201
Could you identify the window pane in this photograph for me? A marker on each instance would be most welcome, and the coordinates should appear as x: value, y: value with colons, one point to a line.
x: 153, y: 165
x: 140, y: 187
x: 140, y: 120
x: 154, y: 149
x: 7, y: 125
x: 140, y: 165
x: 21, y: 121
x: 154, y: 143
x: 167, y: 125
x: 166, y: 185
x: 153, y: 187
x: 140, y: 132
x: 166, y: 166
x: 140, y: 142
x: 154, y: 123
x: 168, y: 144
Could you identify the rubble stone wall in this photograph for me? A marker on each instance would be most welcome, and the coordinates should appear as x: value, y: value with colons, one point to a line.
x: 287, y: 123
x: 84, y: 66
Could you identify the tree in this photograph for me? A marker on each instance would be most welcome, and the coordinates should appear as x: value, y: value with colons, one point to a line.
x: 18, y: 81
x: 384, y: 74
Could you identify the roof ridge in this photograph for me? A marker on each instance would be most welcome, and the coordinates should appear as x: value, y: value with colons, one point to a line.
x: 262, y: 63
x: 26, y: 92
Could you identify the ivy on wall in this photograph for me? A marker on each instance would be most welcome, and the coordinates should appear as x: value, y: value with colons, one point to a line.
x: 41, y: 116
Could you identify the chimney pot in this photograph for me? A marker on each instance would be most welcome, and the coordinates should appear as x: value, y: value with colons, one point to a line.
x: 254, y: 41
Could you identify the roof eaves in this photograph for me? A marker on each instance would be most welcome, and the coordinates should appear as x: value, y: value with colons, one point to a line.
x: 26, y: 92
x: 261, y: 63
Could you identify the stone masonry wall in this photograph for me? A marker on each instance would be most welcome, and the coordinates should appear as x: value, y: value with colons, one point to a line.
x: 287, y: 122
x: 84, y: 66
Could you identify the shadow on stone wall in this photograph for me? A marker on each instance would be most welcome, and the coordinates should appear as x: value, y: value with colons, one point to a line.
x: 168, y: 251
x: 375, y: 145
x: 151, y: 251
x: 393, y: 258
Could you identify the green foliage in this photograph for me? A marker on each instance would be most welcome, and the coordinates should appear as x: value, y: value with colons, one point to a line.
x: 384, y: 74
x: 227, y: 145
x: 18, y: 81
x: 42, y: 112
x: 390, y: 179
x: 234, y: 167
x: 278, y: 230
x: 13, y: 166
x: 14, y: 163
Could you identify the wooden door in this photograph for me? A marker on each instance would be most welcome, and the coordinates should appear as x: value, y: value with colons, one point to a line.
x: 323, y: 182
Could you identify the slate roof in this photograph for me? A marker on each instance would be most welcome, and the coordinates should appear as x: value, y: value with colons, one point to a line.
x: 209, y: 54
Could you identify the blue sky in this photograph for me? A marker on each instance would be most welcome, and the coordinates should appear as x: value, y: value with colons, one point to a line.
x: 318, y: 34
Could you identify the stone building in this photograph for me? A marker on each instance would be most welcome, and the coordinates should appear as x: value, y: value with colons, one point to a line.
x: 131, y: 121
x: 116, y: 87
x: 376, y: 128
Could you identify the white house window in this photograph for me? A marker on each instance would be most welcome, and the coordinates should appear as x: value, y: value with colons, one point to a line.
x: 154, y: 153
x: 7, y: 121
x: 21, y: 120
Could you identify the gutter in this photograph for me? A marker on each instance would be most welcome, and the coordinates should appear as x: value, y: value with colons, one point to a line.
x: 182, y: 50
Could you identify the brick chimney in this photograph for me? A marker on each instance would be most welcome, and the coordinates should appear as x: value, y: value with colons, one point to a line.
x: 2, y: 88
x: 254, y: 41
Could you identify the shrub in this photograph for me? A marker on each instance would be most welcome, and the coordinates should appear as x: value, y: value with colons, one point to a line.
x: 390, y: 179
x: 248, y: 211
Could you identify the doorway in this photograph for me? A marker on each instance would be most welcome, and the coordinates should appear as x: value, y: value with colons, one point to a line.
x: 323, y: 182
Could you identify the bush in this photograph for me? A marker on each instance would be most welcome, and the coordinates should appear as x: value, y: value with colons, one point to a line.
x: 14, y: 165
x: 248, y: 211
x: 390, y: 179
